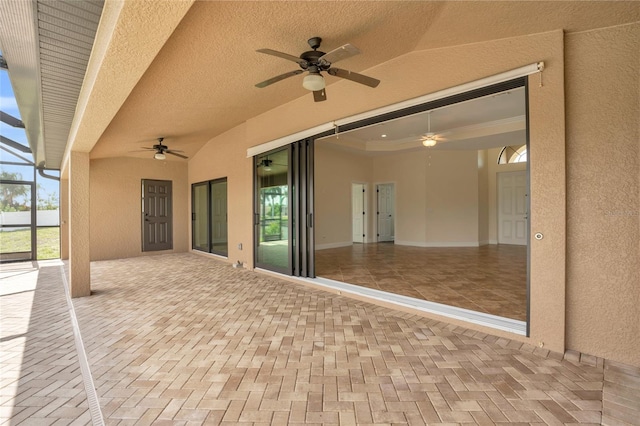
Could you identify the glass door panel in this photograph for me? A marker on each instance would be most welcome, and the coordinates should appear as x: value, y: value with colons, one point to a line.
x: 219, y: 243
x: 200, y: 220
x: 273, y: 245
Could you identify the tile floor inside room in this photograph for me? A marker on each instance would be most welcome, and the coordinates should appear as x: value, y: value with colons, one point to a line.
x: 490, y: 279
x: 185, y: 339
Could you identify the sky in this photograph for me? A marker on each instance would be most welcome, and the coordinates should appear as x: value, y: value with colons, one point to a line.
x: 8, y: 105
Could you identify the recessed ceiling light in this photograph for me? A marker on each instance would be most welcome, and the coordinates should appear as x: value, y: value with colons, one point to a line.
x: 383, y: 136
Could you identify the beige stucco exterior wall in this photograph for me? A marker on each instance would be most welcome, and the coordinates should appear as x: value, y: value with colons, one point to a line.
x: 64, y: 219
x: 603, y: 184
x: 79, y: 225
x: 404, y: 78
x: 226, y: 156
x: 115, y: 214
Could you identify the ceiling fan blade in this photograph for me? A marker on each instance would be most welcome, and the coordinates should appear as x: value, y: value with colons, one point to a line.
x: 286, y: 56
x: 354, y: 76
x: 176, y: 154
x: 146, y: 147
x: 342, y: 52
x: 278, y: 78
x: 319, y: 95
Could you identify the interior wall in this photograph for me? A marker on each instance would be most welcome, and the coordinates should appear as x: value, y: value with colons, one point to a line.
x: 483, y: 198
x: 428, y: 212
x: 603, y: 183
x: 335, y: 171
x: 492, y: 186
x: 451, y: 198
x: 115, y: 207
x: 407, y: 170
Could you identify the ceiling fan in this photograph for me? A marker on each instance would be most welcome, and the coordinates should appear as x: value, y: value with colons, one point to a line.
x: 315, y: 62
x: 162, y: 149
x: 430, y: 139
x: 267, y: 164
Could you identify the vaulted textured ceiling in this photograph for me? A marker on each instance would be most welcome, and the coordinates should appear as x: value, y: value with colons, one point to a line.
x: 202, y: 81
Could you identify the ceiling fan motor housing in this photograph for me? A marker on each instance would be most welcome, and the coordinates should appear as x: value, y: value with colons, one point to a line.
x: 314, y: 42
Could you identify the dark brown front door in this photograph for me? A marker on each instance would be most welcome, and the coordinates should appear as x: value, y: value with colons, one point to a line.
x: 157, y: 216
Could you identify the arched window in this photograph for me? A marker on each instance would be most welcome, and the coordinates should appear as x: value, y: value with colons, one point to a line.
x: 513, y: 154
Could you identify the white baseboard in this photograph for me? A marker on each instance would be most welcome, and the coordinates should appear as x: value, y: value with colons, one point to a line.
x: 484, y: 243
x: 333, y: 245
x: 493, y: 242
x: 437, y: 244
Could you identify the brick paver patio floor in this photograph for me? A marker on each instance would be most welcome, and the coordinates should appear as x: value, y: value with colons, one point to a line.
x: 184, y: 339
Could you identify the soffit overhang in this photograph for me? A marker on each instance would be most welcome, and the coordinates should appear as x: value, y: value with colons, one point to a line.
x: 47, y: 45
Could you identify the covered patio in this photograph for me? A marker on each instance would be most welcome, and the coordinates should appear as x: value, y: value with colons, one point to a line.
x: 184, y: 339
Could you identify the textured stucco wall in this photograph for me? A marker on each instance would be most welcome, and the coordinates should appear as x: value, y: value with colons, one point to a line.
x: 226, y: 156
x: 116, y: 193
x: 603, y: 172
x: 79, y: 225
x: 64, y: 219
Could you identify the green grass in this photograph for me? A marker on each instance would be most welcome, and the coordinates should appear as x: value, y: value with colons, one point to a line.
x: 48, y: 240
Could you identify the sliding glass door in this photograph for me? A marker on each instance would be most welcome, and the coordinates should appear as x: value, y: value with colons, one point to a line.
x: 209, y: 217
x: 199, y: 216
x: 283, y: 215
x: 273, y: 211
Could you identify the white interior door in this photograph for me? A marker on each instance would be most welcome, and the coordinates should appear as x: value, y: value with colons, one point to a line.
x: 512, y: 208
x: 386, y: 211
x: 358, y: 212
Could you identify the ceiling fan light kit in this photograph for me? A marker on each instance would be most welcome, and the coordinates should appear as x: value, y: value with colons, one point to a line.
x: 313, y: 82
x: 159, y: 156
x: 315, y: 62
x: 429, y: 140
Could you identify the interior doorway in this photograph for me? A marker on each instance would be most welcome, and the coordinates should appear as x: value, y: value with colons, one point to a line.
x: 512, y: 208
x: 385, y: 194
x: 358, y: 212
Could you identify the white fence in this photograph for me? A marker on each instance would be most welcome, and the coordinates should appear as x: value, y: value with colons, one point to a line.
x: 44, y: 218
